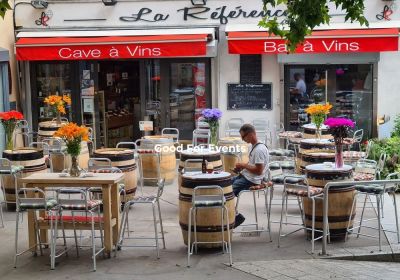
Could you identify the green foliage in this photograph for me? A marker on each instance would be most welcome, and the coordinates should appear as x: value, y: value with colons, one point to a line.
x: 389, y: 146
x: 396, y: 128
x: 4, y: 6
x: 304, y: 15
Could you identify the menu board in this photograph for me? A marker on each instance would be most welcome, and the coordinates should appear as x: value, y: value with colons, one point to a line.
x: 250, y: 96
x: 250, y: 69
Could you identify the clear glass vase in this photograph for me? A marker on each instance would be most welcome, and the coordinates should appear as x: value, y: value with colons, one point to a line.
x: 214, y: 133
x: 75, y: 170
x: 339, y: 156
x: 318, y: 133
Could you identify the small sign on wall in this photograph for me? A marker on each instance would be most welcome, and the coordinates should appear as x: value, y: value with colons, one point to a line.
x: 88, y: 105
x: 146, y: 126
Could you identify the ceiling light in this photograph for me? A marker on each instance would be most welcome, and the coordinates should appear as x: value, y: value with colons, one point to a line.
x: 109, y: 2
x: 39, y: 4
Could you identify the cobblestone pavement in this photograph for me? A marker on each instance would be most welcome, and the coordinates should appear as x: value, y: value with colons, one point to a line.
x: 314, y: 269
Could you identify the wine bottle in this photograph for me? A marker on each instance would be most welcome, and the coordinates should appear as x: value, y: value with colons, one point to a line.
x: 204, y: 166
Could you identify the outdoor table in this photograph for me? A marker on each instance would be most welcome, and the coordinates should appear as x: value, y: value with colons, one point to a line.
x: 310, y: 128
x: 314, y: 151
x: 110, y: 195
x: 340, y: 199
x: 208, y: 221
x: 210, y: 155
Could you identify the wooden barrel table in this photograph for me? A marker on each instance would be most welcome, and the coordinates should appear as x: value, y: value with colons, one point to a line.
x: 310, y: 129
x: 31, y: 159
x: 208, y: 220
x: 230, y: 147
x: 47, y: 129
x: 313, y: 151
x: 123, y: 159
x: 340, y: 199
x: 166, y: 147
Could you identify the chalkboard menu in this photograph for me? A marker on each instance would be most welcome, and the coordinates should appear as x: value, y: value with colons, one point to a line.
x: 250, y: 69
x: 250, y: 96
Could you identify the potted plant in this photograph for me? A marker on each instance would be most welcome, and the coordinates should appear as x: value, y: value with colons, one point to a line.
x: 57, y: 105
x: 318, y: 114
x: 9, y: 121
x: 212, y: 117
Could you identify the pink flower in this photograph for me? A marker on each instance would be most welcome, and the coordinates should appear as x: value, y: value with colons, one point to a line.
x: 339, y: 122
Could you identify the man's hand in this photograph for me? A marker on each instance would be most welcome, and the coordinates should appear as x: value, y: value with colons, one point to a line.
x: 240, y: 165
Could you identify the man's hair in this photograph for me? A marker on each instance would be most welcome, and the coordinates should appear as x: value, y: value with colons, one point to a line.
x: 247, y: 128
x: 297, y: 75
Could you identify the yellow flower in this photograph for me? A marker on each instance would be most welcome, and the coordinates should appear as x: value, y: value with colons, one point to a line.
x: 57, y: 103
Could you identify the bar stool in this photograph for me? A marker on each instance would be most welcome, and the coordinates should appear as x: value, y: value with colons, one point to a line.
x: 300, y: 190
x: 85, y: 206
x: 263, y: 189
x: 7, y: 169
x: 377, y: 190
x: 171, y: 132
x: 34, y: 199
x: 206, y: 202
x: 153, y: 200
x: 201, y: 136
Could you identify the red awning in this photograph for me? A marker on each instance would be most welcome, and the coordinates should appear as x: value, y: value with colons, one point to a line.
x: 321, y: 41
x: 111, y: 47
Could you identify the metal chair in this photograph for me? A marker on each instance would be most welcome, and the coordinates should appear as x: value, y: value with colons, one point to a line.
x: 202, y: 124
x: 201, y: 136
x: 171, y: 132
x: 300, y: 190
x: 81, y: 204
x: 152, y: 199
x: 377, y: 190
x: 63, y: 119
x: 35, y: 200
x: 130, y: 145
x: 263, y: 189
x: 380, y: 165
x: 97, y: 163
x: 13, y: 171
x: 233, y: 126
x: 357, y: 138
x: 365, y: 170
x: 55, y: 153
x: 261, y: 126
x: 206, y: 202
x: 22, y: 128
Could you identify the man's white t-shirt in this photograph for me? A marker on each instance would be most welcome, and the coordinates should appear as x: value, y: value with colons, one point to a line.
x: 301, y: 87
x: 258, y: 155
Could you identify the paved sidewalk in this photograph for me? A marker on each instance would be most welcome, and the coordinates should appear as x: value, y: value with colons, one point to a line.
x: 315, y: 269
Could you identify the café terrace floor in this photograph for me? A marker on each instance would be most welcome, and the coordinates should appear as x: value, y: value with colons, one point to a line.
x: 253, y: 256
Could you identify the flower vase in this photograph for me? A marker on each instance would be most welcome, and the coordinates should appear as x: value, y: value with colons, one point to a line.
x: 318, y: 133
x: 9, y: 130
x: 214, y: 133
x: 339, y: 155
x: 75, y: 170
x: 58, y: 118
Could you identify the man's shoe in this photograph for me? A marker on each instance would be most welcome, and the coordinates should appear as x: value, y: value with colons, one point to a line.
x: 239, y: 219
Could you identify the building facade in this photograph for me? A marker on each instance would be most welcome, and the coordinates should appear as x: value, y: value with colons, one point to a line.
x: 165, y: 61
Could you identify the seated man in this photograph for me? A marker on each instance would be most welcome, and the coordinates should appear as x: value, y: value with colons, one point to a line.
x: 253, y: 172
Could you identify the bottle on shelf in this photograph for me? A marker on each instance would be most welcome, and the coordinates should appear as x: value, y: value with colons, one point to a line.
x: 204, y: 166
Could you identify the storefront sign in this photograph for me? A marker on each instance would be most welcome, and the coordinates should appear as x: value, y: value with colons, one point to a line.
x: 340, y: 45
x: 150, y: 50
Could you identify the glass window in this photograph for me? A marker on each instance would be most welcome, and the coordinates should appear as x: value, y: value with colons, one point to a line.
x: 52, y: 79
x: 347, y: 87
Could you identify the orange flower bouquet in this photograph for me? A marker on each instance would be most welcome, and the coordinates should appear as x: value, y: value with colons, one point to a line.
x: 57, y: 104
x: 9, y: 121
x: 318, y: 114
x: 73, y: 135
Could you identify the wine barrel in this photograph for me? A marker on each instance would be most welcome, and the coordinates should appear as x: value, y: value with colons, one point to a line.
x: 208, y: 220
x: 47, y: 129
x: 123, y: 159
x: 230, y: 147
x: 315, y: 158
x: 310, y: 129
x: 31, y: 159
x: 314, y: 146
x: 340, y: 199
x: 167, y: 157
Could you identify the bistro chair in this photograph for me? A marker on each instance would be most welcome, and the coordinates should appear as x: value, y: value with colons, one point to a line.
x: 300, y: 191
x: 356, y: 140
x: 129, y: 145
x: 233, y: 126
x: 35, y: 200
x: 8, y: 173
x: 152, y: 197
x: 202, y: 124
x: 378, y: 191
x: 263, y: 188
x: 201, y: 136
x: 22, y: 129
x: 261, y: 126
x: 206, y: 202
x: 171, y: 132
x: 88, y: 209
x: 56, y: 154
x: 365, y: 170
x: 154, y: 200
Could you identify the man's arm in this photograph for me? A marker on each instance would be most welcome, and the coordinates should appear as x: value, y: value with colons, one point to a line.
x: 255, y: 169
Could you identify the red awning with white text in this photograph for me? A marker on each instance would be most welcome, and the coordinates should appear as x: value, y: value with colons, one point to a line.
x: 111, y: 47
x: 321, y: 41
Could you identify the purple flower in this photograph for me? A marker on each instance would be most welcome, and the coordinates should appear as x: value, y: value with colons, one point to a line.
x: 337, y: 122
x: 211, y: 115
